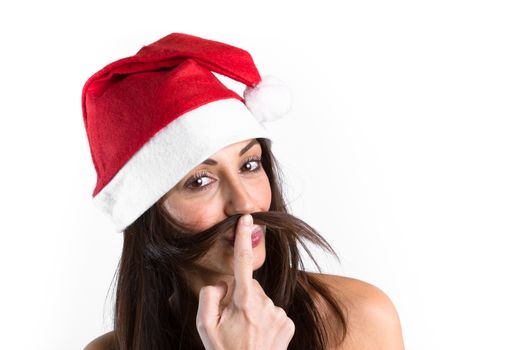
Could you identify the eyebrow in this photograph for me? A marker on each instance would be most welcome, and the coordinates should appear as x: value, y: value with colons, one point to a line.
x: 210, y: 161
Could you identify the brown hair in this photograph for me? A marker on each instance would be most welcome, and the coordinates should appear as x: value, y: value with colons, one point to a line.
x: 155, y: 308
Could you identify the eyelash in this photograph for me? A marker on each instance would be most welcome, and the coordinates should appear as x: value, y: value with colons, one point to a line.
x: 205, y: 174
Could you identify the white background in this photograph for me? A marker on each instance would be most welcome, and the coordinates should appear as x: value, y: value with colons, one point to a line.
x: 404, y: 148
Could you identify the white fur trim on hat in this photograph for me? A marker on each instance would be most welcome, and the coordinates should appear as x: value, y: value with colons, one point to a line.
x: 171, y: 153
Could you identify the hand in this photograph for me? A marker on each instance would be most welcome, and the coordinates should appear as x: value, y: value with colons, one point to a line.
x: 249, y: 320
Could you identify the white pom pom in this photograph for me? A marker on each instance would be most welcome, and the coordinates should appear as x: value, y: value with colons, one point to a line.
x: 270, y: 100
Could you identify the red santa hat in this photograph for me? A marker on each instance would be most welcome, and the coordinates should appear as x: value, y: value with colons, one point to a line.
x: 152, y: 117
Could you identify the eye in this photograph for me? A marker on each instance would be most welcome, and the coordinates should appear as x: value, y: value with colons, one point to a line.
x: 252, y: 164
x: 198, y: 181
x: 202, y: 180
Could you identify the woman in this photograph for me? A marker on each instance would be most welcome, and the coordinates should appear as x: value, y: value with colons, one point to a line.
x: 210, y: 257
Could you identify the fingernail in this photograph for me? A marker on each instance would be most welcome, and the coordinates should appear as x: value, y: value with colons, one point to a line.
x: 247, y: 220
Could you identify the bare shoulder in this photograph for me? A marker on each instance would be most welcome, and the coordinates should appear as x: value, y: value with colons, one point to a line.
x: 104, y: 342
x: 373, y: 322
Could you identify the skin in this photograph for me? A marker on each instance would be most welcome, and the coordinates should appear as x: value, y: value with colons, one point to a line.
x: 233, y: 310
x: 249, y: 319
x: 236, y: 184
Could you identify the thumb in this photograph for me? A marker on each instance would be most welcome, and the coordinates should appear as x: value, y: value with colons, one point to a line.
x: 209, y: 309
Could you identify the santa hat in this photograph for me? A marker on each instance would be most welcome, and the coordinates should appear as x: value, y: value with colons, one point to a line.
x: 152, y: 117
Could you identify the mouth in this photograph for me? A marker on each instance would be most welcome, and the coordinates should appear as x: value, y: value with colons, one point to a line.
x: 257, y: 234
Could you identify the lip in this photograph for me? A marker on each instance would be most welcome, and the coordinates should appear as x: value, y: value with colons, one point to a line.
x: 257, y: 235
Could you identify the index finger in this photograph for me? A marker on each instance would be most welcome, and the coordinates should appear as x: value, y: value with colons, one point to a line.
x: 243, y: 253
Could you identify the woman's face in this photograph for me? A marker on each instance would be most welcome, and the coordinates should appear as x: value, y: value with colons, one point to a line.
x: 232, y: 181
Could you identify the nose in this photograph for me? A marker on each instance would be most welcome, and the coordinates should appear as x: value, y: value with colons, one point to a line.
x: 237, y: 198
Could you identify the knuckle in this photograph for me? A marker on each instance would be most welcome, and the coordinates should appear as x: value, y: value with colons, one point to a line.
x: 241, y: 295
x: 257, y: 286
x: 289, y: 325
x: 256, y: 283
x: 280, y: 313
x: 245, y: 305
x: 248, y: 312
x: 203, y: 323
x: 268, y: 303
x: 243, y: 301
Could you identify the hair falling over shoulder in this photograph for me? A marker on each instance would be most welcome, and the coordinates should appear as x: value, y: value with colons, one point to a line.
x: 155, y: 308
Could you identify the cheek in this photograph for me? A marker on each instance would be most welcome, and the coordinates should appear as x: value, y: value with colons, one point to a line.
x: 194, y: 215
x: 200, y: 214
x: 264, y: 194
